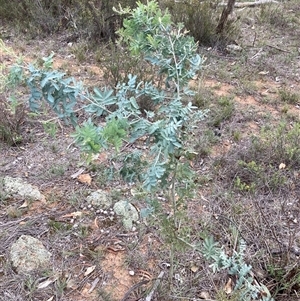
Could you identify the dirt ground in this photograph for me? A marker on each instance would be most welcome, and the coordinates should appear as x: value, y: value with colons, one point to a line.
x: 126, y: 264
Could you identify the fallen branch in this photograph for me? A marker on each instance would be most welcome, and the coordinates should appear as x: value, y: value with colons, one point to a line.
x: 155, y: 286
x: 134, y: 287
x: 277, y: 48
x: 249, y: 4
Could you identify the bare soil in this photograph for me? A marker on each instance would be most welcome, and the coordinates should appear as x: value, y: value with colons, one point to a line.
x: 252, y: 80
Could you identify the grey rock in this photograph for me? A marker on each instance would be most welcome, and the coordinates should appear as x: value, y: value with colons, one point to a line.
x: 233, y: 48
x: 17, y: 187
x: 128, y: 213
x: 99, y: 199
x: 28, y: 254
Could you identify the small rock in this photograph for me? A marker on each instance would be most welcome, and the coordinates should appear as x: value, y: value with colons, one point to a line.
x: 131, y: 273
x: 17, y: 187
x: 128, y: 212
x: 232, y: 48
x: 28, y: 254
x: 99, y: 199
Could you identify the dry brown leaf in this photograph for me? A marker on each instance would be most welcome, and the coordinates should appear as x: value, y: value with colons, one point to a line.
x: 77, y: 173
x: 115, y: 249
x: 194, y: 268
x: 102, y: 157
x: 96, y: 223
x: 73, y: 214
x: 204, y: 295
x: 47, y: 282
x: 228, y: 287
x: 85, y: 178
x: 86, y: 289
x: 71, y: 284
x: 24, y: 205
x: 44, y: 284
x: 100, y: 248
x: 263, y: 72
x: 89, y: 270
x: 43, y: 199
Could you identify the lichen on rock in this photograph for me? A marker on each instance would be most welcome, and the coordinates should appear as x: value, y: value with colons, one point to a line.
x: 128, y: 212
x: 17, y: 187
x: 28, y: 254
x: 99, y: 199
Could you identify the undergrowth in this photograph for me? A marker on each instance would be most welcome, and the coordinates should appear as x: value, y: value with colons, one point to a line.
x: 146, y: 122
x: 266, y: 162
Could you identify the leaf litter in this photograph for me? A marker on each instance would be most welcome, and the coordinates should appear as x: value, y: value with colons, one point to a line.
x: 90, y: 260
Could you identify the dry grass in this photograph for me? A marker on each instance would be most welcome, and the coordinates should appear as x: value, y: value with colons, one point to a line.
x: 247, y: 183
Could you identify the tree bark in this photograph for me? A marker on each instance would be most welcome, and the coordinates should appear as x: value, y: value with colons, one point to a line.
x: 225, y: 13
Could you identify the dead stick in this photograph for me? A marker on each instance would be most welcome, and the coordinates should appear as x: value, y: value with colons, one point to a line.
x: 155, y: 286
x: 275, y: 47
x: 134, y: 287
x: 249, y: 4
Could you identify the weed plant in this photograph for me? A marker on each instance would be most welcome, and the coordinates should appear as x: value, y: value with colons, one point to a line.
x: 12, y: 116
x: 289, y: 97
x: 12, y: 108
x: 274, y: 15
x: 222, y: 111
x: 268, y: 163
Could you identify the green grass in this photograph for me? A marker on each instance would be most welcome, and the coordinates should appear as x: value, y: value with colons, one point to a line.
x: 222, y: 111
x: 289, y: 97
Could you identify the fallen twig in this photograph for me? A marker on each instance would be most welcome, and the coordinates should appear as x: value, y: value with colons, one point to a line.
x: 256, y: 54
x: 249, y: 4
x: 93, y: 285
x: 155, y: 286
x: 134, y: 287
x: 277, y: 48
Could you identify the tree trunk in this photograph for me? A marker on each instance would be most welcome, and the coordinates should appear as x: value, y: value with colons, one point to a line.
x: 225, y: 13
